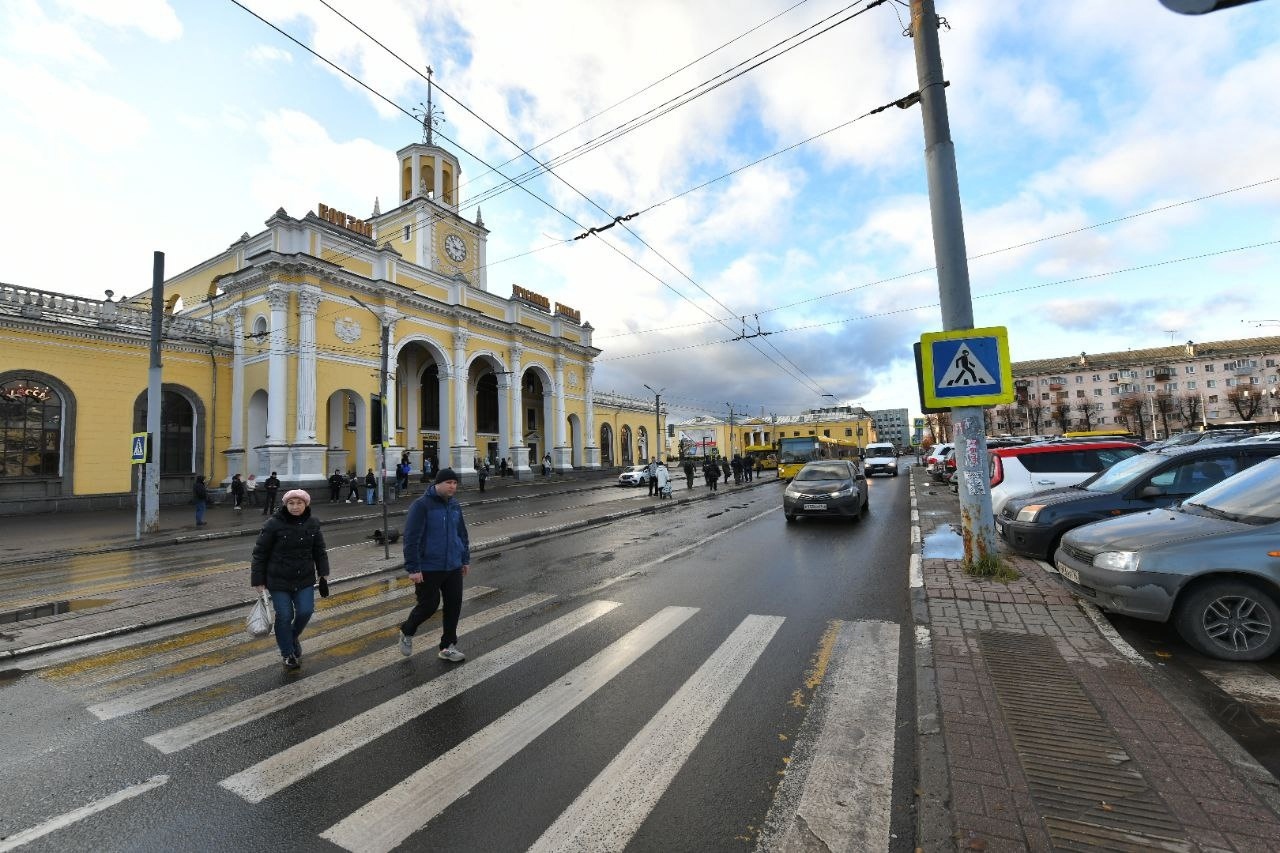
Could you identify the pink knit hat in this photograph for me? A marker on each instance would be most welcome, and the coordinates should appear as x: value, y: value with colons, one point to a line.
x: 296, y: 493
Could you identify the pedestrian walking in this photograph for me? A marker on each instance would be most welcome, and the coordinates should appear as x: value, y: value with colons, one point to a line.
x: 251, y: 489
x: 726, y: 469
x: 711, y: 473
x: 370, y: 487
x: 270, y: 487
x: 736, y: 464
x: 483, y: 474
x: 200, y: 496
x: 652, y: 470
x: 237, y: 492
x: 353, y: 486
x: 759, y: 467
x: 437, y: 556
x: 662, y: 480
x: 336, y: 482
x: 289, y: 559
x: 427, y: 468
x: 688, y: 472
x: 546, y: 465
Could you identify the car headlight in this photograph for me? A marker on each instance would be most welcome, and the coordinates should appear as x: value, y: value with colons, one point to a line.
x: 791, y: 491
x: 1118, y: 561
x: 842, y: 493
x: 1029, y: 512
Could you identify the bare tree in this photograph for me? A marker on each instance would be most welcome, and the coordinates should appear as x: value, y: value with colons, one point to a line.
x: 1062, y: 414
x: 1188, y: 408
x: 1164, y: 407
x: 1085, y: 409
x: 1131, y: 408
x: 1005, y: 415
x: 1035, y: 415
x: 1245, y: 401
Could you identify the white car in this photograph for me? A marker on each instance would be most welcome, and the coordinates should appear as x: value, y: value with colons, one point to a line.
x: 880, y: 459
x: 1032, y: 468
x: 634, y: 475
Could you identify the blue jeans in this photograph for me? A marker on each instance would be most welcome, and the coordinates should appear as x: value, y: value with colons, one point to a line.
x: 369, y: 493
x: 293, y: 612
x: 199, y: 512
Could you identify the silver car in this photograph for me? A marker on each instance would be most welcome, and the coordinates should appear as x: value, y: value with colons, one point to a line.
x: 830, y: 487
x: 1212, y: 565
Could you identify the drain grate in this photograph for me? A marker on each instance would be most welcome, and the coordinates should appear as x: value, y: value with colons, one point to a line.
x: 1084, y: 784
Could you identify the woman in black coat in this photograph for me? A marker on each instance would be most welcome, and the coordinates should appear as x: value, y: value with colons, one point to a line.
x: 287, y: 558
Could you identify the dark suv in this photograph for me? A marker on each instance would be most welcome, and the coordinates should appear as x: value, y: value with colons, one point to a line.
x: 1033, y: 525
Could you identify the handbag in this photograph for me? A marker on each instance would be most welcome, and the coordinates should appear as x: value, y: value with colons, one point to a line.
x: 261, y: 617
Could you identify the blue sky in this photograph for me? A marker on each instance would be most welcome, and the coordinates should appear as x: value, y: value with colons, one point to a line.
x: 136, y: 125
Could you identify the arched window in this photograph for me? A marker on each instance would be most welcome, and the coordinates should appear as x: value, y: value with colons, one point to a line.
x: 31, y: 435
x: 487, y: 404
x: 606, y: 445
x: 626, y: 445
x: 177, y: 430
x: 430, y: 397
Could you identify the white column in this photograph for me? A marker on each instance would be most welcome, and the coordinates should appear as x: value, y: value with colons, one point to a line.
x: 305, y: 418
x: 460, y: 430
x: 277, y: 382
x: 516, y: 449
x: 591, y: 457
x: 237, y: 380
x: 389, y: 317
x: 560, y: 417
x: 504, y: 413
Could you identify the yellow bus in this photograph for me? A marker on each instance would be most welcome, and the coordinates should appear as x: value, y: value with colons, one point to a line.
x: 762, y: 453
x: 1100, y: 433
x: 793, y: 453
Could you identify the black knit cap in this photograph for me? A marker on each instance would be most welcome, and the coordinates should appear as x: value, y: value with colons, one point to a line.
x: 446, y: 474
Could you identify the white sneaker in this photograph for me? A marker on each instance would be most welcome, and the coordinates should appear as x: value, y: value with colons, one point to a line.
x: 406, y: 644
x: 451, y: 654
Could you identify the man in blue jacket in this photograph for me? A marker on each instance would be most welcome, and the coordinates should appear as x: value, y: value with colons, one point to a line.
x: 437, y: 556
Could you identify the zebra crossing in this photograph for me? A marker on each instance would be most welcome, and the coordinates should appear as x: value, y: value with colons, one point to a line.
x: 174, y: 700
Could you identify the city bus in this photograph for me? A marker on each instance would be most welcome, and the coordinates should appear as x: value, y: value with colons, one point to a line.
x: 793, y: 453
x: 762, y: 453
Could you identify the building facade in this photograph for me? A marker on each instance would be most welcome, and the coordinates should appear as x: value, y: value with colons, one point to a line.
x: 1152, y: 392
x: 710, y: 436
x: 892, y: 425
x: 272, y: 354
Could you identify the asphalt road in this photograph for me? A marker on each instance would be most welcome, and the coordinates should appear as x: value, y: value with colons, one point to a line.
x: 676, y: 681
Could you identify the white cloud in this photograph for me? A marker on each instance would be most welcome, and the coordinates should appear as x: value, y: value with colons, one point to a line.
x: 266, y: 54
x: 154, y: 18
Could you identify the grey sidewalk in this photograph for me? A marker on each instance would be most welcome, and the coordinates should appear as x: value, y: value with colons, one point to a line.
x: 1035, y: 733
x: 205, y: 593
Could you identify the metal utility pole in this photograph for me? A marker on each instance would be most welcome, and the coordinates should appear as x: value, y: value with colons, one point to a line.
x: 657, y: 420
x: 968, y: 423
x: 730, y: 405
x: 151, y: 492
x: 382, y: 419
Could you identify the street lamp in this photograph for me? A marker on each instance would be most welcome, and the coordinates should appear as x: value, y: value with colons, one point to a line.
x: 657, y: 420
x: 382, y: 418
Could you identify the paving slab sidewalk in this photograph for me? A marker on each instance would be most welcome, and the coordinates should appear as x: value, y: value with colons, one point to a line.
x: 1035, y: 733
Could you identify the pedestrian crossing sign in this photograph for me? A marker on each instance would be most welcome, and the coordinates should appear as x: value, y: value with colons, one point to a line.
x: 966, y: 367
x: 138, y: 448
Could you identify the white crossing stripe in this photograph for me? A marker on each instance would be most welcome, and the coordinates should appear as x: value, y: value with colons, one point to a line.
x: 302, y: 759
x: 846, y: 796
x: 140, y: 700
x: 607, y: 814
x: 383, y: 823
x: 1247, y: 683
x: 256, y: 707
x: 100, y: 675
x: 18, y: 839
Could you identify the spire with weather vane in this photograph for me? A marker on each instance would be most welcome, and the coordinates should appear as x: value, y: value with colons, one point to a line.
x: 430, y: 116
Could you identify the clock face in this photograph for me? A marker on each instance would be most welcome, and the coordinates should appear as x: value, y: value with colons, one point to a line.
x: 455, y: 248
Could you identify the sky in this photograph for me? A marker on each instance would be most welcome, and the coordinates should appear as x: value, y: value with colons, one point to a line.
x: 1117, y: 167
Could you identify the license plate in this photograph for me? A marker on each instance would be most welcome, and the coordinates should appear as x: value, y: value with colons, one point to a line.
x: 815, y: 506
x: 1068, y: 572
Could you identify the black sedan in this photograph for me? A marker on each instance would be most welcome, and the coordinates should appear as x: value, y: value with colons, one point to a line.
x: 1034, y: 525
x: 833, y: 488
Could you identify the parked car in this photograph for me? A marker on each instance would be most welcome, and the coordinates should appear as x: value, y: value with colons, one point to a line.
x: 935, y: 462
x: 1211, y: 564
x: 1262, y: 438
x: 634, y: 475
x: 1032, y: 468
x: 829, y: 487
x: 1034, y: 525
x: 880, y: 458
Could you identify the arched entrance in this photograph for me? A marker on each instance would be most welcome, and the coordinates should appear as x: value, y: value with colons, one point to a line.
x: 627, y: 457
x: 575, y: 441
x: 606, y: 446
x: 181, y: 439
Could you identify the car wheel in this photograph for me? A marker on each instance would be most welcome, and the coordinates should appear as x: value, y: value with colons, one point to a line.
x: 791, y: 519
x: 866, y: 507
x: 1230, y: 620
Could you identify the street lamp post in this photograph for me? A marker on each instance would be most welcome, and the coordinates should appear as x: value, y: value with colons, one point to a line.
x: 382, y: 418
x: 657, y: 420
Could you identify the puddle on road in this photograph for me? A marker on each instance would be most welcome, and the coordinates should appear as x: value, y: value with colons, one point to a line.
x: 53, y: 608
x: 944, y: 543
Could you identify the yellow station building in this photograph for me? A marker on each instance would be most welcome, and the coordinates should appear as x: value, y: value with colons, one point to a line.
x: 271, y: 354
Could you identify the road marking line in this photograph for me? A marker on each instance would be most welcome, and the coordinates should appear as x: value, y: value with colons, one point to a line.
x: 609, y: 811
x: 26, y: 836
x: 140, y: 700
x: 283, y: 769
x: 133, y: 659
x: 846, y: 797
x: 223, y: 720
x: 386, y: 821
x: 1247, y: 683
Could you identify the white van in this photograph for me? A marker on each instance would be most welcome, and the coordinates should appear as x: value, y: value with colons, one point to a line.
x: 880, y: 459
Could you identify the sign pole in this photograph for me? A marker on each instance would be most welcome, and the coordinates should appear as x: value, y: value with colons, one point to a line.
x: 977, y: 522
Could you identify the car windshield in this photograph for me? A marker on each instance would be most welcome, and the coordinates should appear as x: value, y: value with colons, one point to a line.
x: 635, y: 469
x: 1250, y: 497
x: 824, y: 471
x: 1119, y: 475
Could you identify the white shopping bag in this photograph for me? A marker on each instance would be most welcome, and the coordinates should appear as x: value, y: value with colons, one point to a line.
x: 262, y: 617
